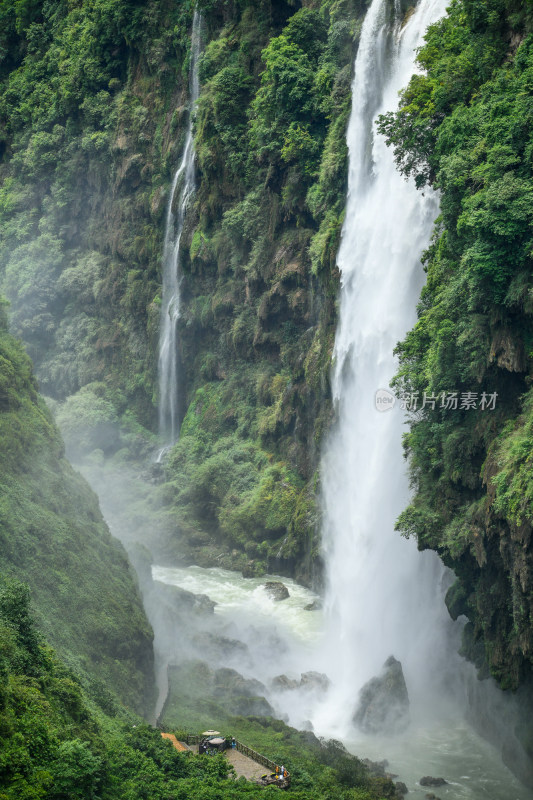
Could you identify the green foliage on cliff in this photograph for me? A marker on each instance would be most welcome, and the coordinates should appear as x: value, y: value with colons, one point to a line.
x: 88, y: 96
x: 259, y: 283
x: 52, y: 536
x: 93, y: 106
x: 56, y: 743
x: 225, y: 484
x: 465, y: 127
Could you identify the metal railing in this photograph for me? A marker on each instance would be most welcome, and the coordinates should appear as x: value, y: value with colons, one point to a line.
x: 263, y: 760
x: 194, y: 738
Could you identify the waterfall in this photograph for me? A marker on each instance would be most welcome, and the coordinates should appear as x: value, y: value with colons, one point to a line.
x: 383, y: 597
x: 181, y: 192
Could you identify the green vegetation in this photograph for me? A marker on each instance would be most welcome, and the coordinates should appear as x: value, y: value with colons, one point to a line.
x: 94, y: 107
x: 52, y: 536
x: 60, y: 741
x: 256, y: 329
x: 464, y: 126
x: 56, y: 743
x: 319, y: 769
x: 88, y: 136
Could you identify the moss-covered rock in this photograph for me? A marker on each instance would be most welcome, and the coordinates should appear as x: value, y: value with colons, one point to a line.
x: 53, y: 537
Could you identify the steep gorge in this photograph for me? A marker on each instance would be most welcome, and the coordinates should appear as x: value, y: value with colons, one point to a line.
x: 85, y: 173
x: 52, y: 537
x: 94, y: 109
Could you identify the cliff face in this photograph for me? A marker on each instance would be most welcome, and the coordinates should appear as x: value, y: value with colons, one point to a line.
x: 464, y: 126
x: 259, y: 283
x: 93, y: 115
x: 94, y: 110
x: 92, y: 100
x: 53, y: 537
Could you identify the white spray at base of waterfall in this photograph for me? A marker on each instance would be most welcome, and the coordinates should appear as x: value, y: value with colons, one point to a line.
x: 181, y: 192
x: 383, y: 597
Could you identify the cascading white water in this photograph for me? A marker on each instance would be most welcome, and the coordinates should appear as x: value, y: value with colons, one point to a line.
x: 383, y: 596
x: 183, y: 187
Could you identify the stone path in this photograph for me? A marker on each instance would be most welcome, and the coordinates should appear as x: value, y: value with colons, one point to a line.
x: 245, y: 766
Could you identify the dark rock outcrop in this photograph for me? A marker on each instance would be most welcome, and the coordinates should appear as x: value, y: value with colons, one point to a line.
x: 282, y: 683
x: 229, y: 681
x: 213, y: 646
x: 310, y: 681
x: 276, y: 590
x: 429, y: 781
x: 241, y: 695
x: 315, y: 680
x: 384, y: 702
x: 184, y: 601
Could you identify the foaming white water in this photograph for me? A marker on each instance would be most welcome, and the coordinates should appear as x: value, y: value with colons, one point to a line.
x: 244, y: 602
x: 183, y: 188
x: 383, y: 596
x: 281, y: 638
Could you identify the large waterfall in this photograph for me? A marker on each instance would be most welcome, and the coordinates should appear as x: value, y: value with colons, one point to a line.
x: 183, y: 187
x: 383, y: 596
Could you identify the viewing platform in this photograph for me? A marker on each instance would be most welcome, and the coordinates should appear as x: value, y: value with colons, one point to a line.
x: 246, y: 762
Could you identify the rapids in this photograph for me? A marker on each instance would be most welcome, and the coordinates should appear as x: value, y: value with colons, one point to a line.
x: 446, y: 746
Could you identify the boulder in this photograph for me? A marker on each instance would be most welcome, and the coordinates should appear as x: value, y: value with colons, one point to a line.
x: 216, y: 647
x: 241, y: 695
x: 229, y: 681
x: 281, y: 683
x: 384, y: 702
x: 202, y: 604
x: 251, y: 707
x: 429, y: 781
x: 276, y: 590
x: 316, y: 605
x: 315, y: 680
x: 183, y: 601
x: 310, y: 681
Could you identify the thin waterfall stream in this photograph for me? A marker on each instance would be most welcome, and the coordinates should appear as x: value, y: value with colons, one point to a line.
x: 181, y: 192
